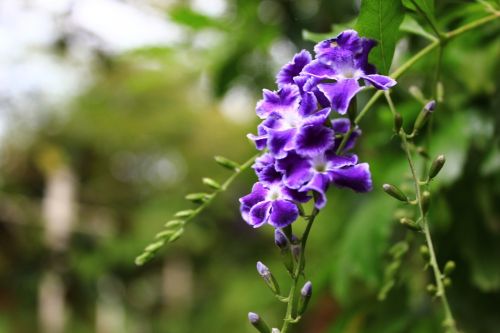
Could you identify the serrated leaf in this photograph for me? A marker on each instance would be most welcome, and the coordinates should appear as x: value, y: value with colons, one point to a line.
x: 412, y: 26
x: 380, y: 20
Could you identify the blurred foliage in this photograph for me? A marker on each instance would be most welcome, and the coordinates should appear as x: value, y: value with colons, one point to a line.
x: 143, y: 135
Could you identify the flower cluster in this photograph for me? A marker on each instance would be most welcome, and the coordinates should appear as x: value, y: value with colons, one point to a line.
x: 300, y: 140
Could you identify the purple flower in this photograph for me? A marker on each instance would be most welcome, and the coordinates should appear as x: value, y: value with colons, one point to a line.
x: 292, y: 126
x: 265, y: 170
x: 318, y: 172
x: 292, y: 69
x: 345, y: 60
x: 274, y: 204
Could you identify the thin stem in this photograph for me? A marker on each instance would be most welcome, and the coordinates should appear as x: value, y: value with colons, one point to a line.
x: 298, y: 271
x: 457, y: 32
x: 441, y: 293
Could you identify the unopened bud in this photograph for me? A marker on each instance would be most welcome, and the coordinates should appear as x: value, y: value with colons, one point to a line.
x: 268, y: 277
x: 410, y: 224
x: 395, y: 192
x: 305, y: 296
x: 426, y: 201
x: 447, y: 282
x: 258, y: 323
x: 211, y: 183
x: 424, y: 251
x: 226, y: 163
x: 398, y: 122
x: 431, y: 289
x: 275, y: 330
x: 198, y: 197
x: 280, y: 239
x: 424, y: 116
x: 436, y: 166
x: 449, y: 267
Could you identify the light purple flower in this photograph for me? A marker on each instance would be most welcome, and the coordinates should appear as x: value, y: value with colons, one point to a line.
x: 274, y: 204
x: 344, y: 59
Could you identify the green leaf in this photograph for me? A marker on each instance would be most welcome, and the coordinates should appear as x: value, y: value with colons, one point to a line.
x: 426, y: 6
x: 412, y: 26
x: 380, y: 20
x: 195, y: 20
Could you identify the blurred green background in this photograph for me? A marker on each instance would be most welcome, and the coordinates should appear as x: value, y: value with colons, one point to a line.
x: 86, y: 181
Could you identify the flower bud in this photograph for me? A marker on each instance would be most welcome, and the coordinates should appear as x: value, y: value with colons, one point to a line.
x: 424, y: 116
x: 426, y: 201
x: 398, y: 122
x: 226, y: 163
x: 258, y: 323
x: 176, y: 235
x: 395, y: 192
x: 424, y: 251
x: 184, y: 213
x: 198, y: 197
x: 305, y: 296
x: 431, y: 289
x: 449, y: 267
x: 280, y: 239
x: 268, y: 277
x: 211, y: 183
x: 436, y: 166
x: 275, y: 330
x: 174, y: 223
x: 410, y: 224
x: 447, y: 282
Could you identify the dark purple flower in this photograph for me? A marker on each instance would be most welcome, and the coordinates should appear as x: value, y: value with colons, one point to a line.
x: 318, y: 172
x: 265, y: 170
x: 274, y: 204
x: 345, y: 60
x: 342, y: 126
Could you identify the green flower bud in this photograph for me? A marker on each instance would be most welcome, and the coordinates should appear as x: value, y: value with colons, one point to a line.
x: 174, y: 223
x: 258, y: 323
x: 424, y: 116
x: 176, y: 235
x: 185, y: 213
x: 211, y: 183
x: 431, y: 289
x: 395, y: 192
x: 198, y: 197
x: 426, y: 201
x: 449, y: 267
x: 154, y: 247
x: 226, y: 163
x: 424, y: 251
x: 164, y: 234
x: 410, y: 224
x: 436, y: 166
x: 447, y: 282
x: 143, y: 258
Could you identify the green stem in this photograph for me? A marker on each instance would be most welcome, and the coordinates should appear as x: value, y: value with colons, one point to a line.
x: 441, y: 293
x: 298, y: 271
x: 428, y: 19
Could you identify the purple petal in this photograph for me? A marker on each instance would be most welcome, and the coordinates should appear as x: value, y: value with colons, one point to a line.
x: 319, y: 184
x: 280, y: 141
x: 335, y: 161
x: 259, y: 140
x: 320, y: 70
x: 313, y: 139
x: 362, y: 59
x: 259, y: 214
x: 292, y: 69
x: 356, y: 177
x: 340, y: 93
x: 296, y: 169
x: 318, y: 118
x: 283, y: 213
x: 380, y: 81
x: 284, y: 100
x: 257, y: 195
x: 269, y: 175
x: 308, y: 105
